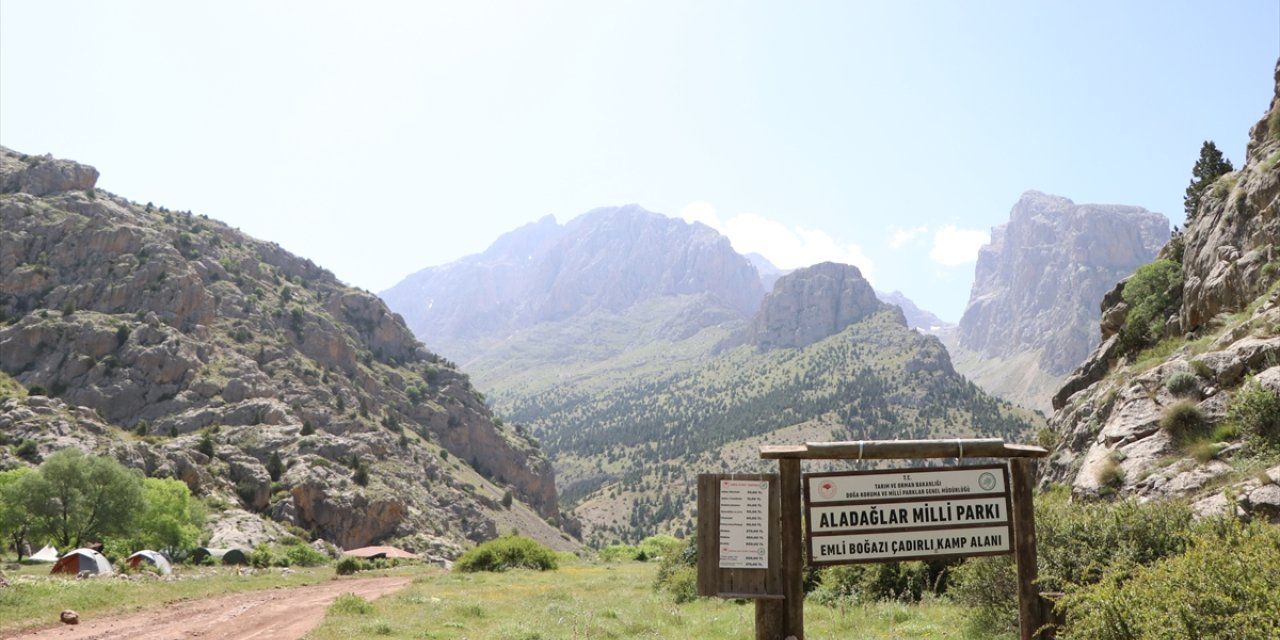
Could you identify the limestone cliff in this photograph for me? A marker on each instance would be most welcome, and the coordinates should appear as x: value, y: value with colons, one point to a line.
x: 813, y: 303
x: 174, y: 326
x: 1223, y: 327
x: 1038, y: 282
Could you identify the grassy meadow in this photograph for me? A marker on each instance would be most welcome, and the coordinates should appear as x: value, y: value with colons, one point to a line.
x: 584, y: 600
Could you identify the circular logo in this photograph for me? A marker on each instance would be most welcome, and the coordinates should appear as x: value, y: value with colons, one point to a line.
x: 827, y: 489
x: 987, y: 481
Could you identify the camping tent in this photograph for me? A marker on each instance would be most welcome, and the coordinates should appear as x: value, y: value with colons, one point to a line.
x: 225, y: 556
x: 381, y: 552
x: 151, y: 561
x: 83, y: 560
x: 47, y: 554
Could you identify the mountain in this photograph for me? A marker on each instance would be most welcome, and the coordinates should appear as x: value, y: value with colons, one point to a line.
x: 1033, y: 310
x: 606, y: 262
x: 917, y: 318
x: 1182, y: 396
x: 822, y: 359
x: 769, y: 272
x: 141, y: 332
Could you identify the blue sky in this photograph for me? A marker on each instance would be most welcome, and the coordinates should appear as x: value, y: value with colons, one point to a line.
x: 377, y: 138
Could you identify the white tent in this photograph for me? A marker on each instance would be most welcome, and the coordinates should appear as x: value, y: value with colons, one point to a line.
x: 47, y: 554
x: 151, y: 560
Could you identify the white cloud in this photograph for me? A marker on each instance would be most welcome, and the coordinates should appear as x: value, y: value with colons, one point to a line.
x: 903, y: 236
x: 786, y: 247
x: 699, y: 211
x: 953, y: 247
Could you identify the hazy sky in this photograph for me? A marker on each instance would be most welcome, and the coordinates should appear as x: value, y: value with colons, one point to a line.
x: 378, y: 138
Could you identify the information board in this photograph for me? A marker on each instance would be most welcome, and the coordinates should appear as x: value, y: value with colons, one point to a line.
x: 744, y: 524
x: 905, y: 514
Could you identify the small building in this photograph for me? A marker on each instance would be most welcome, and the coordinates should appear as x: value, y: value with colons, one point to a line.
x: 151, y: 561
x: 82, y: 560
x: 370, y: 553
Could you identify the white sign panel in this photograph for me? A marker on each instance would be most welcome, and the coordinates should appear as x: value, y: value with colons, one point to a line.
x: 910, y: 515
x: 906, y: 483
x: 870, y: 547
x: 744, y: 524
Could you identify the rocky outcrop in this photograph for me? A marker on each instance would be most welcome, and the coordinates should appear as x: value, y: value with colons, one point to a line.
x: 177, y: 327
x: 1224, y: 331
x: 43, y: 175
x: 607, y: 260
x: 1038, y: 282
x: 813, y: 303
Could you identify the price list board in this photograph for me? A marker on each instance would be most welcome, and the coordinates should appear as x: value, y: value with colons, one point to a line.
x: 738, y: 542
x: 744, y: 525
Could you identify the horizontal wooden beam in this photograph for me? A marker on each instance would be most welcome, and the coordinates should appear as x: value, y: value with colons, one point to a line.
x: 902, y: 449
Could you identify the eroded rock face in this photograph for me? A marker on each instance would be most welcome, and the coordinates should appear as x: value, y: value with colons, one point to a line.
x: 1225, y: 330
x: 813, y: 303
x: 176, y: 326
x: 1038, y: 283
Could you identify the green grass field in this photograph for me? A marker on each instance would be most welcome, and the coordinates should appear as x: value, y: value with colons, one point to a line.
x: 588, y: 600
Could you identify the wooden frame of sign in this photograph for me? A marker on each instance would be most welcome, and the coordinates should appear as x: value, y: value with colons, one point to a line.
x: 778, y: 588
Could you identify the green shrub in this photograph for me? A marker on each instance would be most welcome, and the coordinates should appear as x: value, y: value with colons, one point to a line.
x: 1225, y: 586
x: 1078, y: 543
x: 1202, y: 369
x: 301, y: 555
x: 677, y: 573
x: 1183, y: 420
x: 1180, y: 383
x: 903, y: 581
x: 1151, y: 295
x: 507, y: 552
x: 1256, y: 410
x: 350, y: 565
x: 27, y: 450
x: 351, y: 604
x: 262, y: 557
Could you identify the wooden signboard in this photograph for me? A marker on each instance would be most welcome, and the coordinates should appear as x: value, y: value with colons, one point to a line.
x: 907, y: 514
x: 741, y: 558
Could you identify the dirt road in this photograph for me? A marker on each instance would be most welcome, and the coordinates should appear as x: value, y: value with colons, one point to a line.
x: 274, y: 614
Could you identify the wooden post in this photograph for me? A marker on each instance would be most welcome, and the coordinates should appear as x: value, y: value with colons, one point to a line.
x: 792, y: 551
x: 1022, y: 477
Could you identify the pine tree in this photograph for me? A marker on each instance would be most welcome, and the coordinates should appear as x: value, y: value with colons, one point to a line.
x: 1208, y: 168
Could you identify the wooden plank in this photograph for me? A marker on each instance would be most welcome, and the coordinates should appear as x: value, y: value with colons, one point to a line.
x: 902, y: 449
x: 1030, y: 615
x: 792, y: 548
x: 712, y: 581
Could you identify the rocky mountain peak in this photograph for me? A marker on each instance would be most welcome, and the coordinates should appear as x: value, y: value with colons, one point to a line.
x: 813, y: 303
x: 604, y: 261
x: 1038, y: 282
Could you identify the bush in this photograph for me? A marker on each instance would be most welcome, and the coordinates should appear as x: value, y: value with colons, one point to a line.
x: 1183, y: 420
x: 301, y: 555
x: 1151, y: 295
x: 262, y: 557
x: 507, y: 552
x: 1256, y: 410
x: 1227, y: 585
x: 1078, y: 543
x: 677, y: 574
x: 351, y: 604
x: 904, y: 581
x: 351, y: 564
x: 1180, y: 383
